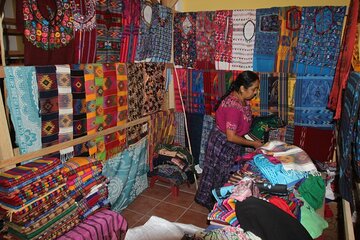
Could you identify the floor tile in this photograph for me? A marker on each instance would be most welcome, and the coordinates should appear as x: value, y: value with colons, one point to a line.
x: 167, y: 211
x: 143, y: 204
x: 183, y: 199
x: 142, y: 221
x: 158, y: 192
x: 198, y: 208
x: 131, y: 217
x: 195, y: 218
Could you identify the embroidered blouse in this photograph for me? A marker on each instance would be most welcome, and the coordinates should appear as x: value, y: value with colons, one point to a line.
x: 232, y: 115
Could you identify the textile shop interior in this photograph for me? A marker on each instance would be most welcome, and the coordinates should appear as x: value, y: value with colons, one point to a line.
x: 179, y: 119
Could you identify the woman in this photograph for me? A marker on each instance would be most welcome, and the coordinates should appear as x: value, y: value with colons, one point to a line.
x: 226, y: 140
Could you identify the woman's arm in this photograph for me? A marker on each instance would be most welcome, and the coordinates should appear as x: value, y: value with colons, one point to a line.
x: 232, y: 137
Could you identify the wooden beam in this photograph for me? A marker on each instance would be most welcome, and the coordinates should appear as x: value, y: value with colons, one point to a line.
x: 6, y: 150
x: 58, y: 147
x: 349, y: 228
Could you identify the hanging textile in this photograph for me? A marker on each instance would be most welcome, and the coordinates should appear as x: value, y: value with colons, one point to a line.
x: 356, y: 54
x: 223, y: 39
x: 22, y: 101
x: 48, y: 31
x: 90, y: 98
x: 344, y: 64
x: 162, y: 130
x: 207, y: 127
x: 148, y: 15
x: 79, y: 108
x: 311, y: 95
x: 185, y: 39
x: 348, y: 121
x: 161, y: 35
x: 49, y: 108
x: 180, y: 129
x: 321, y: 26
x: 84, y: 16
x: 290, y: 99
x: 317, y: 143
x: 130, y: 33
x: 290, y: 18
x: 205, y: 40
x: 266, y: 39
x: 207, y: 91
x: 127, y: 173
x: 65, y: 103
x: 194, y: 122
x: 243, y: 39
x: 269, y: 85
x: 283, y: 104
x: 196, y: 91
x: 109, y: 30
x: 183, y: 83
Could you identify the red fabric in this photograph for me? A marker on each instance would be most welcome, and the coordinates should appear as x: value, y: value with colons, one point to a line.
x: 280, y: 203
x: 317, y: 143
x: 344, y: 63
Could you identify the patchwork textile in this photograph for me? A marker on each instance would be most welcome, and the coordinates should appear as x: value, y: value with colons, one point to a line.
x: 205, y: 40
x: 207, y: 125
x: 144, y: 45
x: 109, y: 30
x: 161, y: 34
x: 115, y: 224
x: 180, y: 129
x: 79, y: 108
x: 348, y: 129
x: 311, y: 95
x: 266, y: 39
x: 243, y: 39
x: 223, y: 39
x: 344, y: 64
x: 130, y: 33
x: 22, y: 100
x: 49, y: 108
x: 322, y: 26
x: 127, y: 173
x: 290, y: 18
x: 84, y: 17
x: 185, y: 39
x: 65, y: 104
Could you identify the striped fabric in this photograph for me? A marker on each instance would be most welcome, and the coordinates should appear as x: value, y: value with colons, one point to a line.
x: 182, y: 82
x: 196, y: 91
x: 208, y: 124
x: 223, y: 39
x: 77, y: 164
x: 180, y: 129
x: 269, y: 93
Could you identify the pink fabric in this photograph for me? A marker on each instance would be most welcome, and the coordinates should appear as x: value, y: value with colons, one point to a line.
x: 232, y: 115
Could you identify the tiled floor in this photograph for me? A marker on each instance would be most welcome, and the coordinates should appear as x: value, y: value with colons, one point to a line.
x: 159, y: 201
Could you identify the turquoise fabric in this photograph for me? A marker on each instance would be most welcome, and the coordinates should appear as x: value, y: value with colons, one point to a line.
x: 127, y: 173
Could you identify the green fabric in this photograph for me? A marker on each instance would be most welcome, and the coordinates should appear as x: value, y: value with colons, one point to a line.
x: 312, y: 221
x: 313, y: 191
x: 259, y: 125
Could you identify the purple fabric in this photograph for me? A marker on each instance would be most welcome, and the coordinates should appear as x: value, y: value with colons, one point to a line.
x: 233, y: 116
x: 103, y: 225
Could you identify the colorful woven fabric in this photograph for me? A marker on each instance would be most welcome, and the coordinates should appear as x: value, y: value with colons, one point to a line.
x: 311, y: 95
x: 205, y: 40
x: 344, y: 64
x: 94, y: 225
x: 130, y: 32
x: 65, y: 104
x: 224, y: 212
x: 90, y: 97
x: 144, y: 45
x: 322, y: 26
x: 355, y: 61
x: 109, y: 30
x: 154, y: 87
x: 223, y: 39
x: 269, y: 94
x: 79, y: 108
x: 128, y: 183
x: 49, y: 109
x: 185, y: 39
x: 122, y: 104
x: 180, y: 129
x: 21, y: 174
x: 180, y: 79
x: 77, y: 164
x: 207, y: 125
x: 84, y: 17
x: 243, y: 39
x: 266, y: 39
x: 22, y: 100
x: 196, y: 92
x: 161, y: 34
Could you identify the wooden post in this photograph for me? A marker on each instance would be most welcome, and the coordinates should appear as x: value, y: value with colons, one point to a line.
x: 6, y: 150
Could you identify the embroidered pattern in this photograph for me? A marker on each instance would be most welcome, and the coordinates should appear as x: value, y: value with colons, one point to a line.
x: 223, y: 39
x: 84, y: 22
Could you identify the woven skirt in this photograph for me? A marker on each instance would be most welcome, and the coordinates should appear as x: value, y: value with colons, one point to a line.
x: 219, y: 159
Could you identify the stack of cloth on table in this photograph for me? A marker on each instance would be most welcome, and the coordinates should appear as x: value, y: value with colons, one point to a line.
x: 278, y: 175
x: 87, y: 186
x: 173, y: 163
x: 34, y: 200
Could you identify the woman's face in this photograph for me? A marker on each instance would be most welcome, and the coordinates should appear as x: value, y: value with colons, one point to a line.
x: 250, y: 92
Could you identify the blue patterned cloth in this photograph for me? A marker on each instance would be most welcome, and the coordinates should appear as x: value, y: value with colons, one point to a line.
x: 318, y: 48
x: 23, y: 101
x: 311, y: 97
x: 266, y: 39
x: 180, y: 129
x: 127, y: 173
x: 208, y: 124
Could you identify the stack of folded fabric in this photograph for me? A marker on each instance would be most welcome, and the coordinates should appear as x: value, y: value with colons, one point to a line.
x: 35, y: 202
x: 87, y: 185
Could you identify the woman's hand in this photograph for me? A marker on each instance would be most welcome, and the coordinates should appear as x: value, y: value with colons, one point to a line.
x: 257, y: 144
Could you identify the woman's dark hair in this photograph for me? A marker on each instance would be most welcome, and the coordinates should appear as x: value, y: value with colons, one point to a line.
x: 245, y: 78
